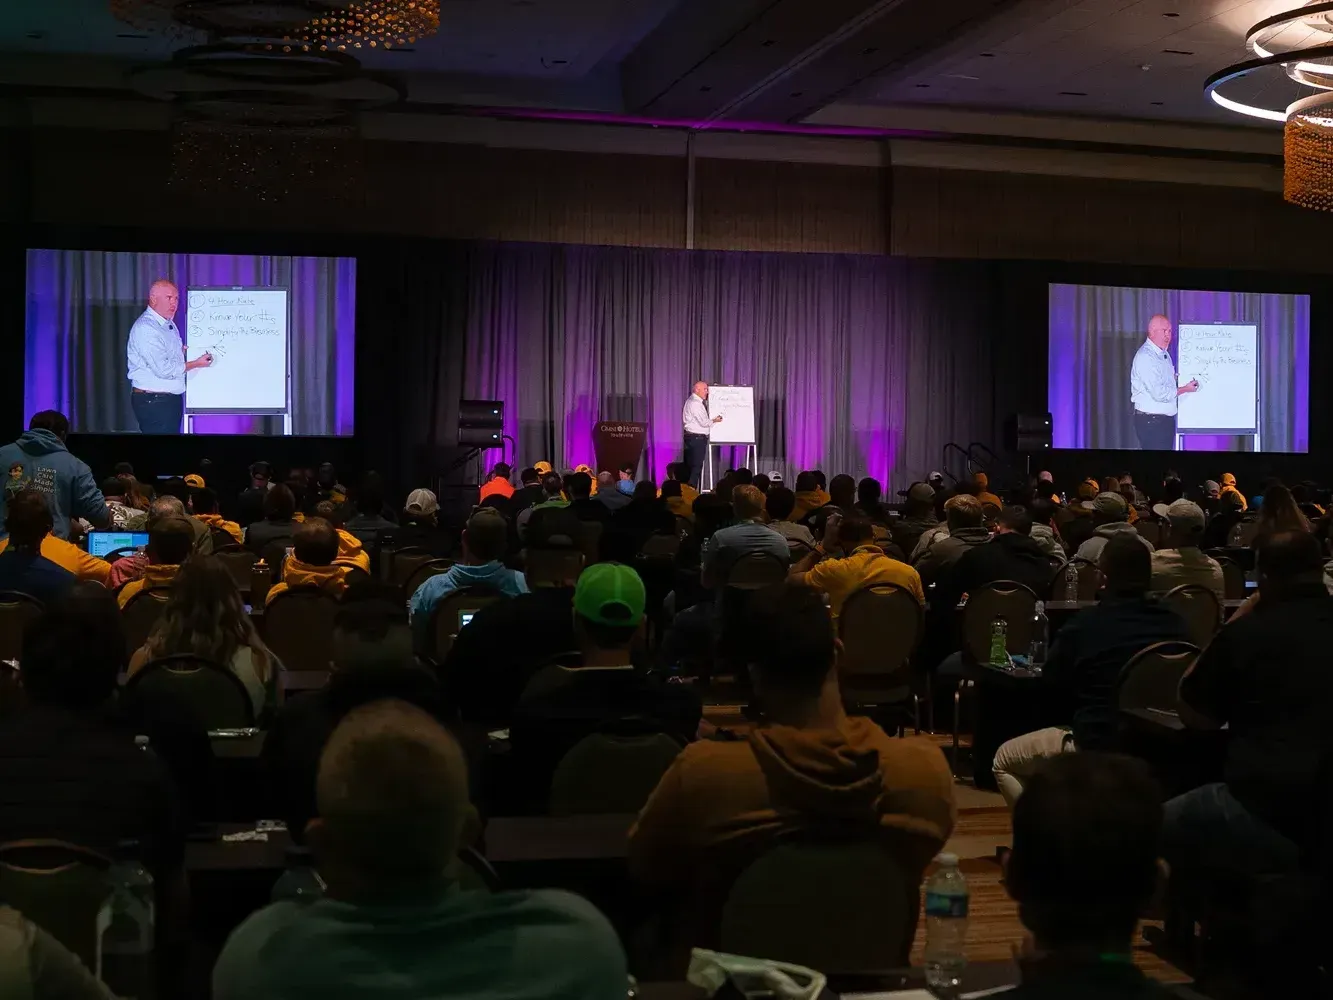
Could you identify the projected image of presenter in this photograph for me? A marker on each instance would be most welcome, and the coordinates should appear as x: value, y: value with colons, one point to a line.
x: 1154, y: 389
x: 156, y: 363
x: 696, y: 422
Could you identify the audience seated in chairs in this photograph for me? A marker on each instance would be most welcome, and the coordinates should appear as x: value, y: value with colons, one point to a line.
x: 860, y: 563
x: 918, y: 517
x: 810, y: 495
x: 939, y: 548
x: 1179, y: 560
x: 553, y: 499
x: 497, y: 483
x: 278, y: 523
x: 171, y: 540
x: 679, y: 472
x: 673, y: 495
x: 313, y: 562
x: 529, y: 493
x: 66, y: 555
x: 609, y: 495
x: 1085, y: 664
x: 69, y: 766
x: 1110, y: 517
x: 419, y: 528
x: 1010, y: 555
x: 1084, y: 869
x: 392, y: 793
x: 350, y: 550
x: 40, y: 456
x: 23, y: 567
x: 779, y: 502
x: 745, y: 535
x: 126, y: 507
x: 607, y: 692
x: 1044, y: 533
x: 1265, y: 677
x: 493, y: 658
x: 806, y: 764
x: 581, y: 501
x: 1229, y: 513
x: 204, y: 616
x: 204, y: 504
x: 842, y: 500
x: 176, y: 487
x: 642, y: 516
x: 372, y: 659
x: 131, y: 567
x: 484, y: 542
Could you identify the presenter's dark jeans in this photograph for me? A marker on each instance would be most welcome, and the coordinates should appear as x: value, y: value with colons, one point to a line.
x: 1155, y: 431
x: 158, y: 412
x: 696, y: 453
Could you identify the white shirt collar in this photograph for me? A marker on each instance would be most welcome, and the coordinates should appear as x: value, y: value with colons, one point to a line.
x: 158, y: 318
x: 695, y: 395
x: 1158, y: 351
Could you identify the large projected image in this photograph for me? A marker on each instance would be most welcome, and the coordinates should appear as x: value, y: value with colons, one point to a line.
x: 169, y: 343
x: 1159, y: 369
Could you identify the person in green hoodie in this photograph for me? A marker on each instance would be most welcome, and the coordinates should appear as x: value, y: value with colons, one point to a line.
x: 806, y: 763
x: 393, y: 924
x: 39, y: 460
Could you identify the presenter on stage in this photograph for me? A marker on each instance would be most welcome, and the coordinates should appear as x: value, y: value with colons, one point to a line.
x: 696, y: 421
x: 1154, y: 390
x: 156, y: 363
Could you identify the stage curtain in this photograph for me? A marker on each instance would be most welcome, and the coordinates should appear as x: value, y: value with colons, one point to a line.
x: 81, y: 305
x: 1095, y: 332
x: 860, y: 364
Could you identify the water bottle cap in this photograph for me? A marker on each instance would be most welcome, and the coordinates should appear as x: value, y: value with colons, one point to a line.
x: 948, y: 859
x: 141, y: 740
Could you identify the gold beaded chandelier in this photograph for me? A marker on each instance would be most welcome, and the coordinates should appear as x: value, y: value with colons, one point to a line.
x: 1299, y: 43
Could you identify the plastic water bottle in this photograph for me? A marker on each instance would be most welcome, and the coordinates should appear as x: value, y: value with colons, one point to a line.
x: 1041, y: 634
x: 1071, y: 581
x: 999, y: 642
x: 299, y: 883
x: 946, y: 926
x: 126, y: 961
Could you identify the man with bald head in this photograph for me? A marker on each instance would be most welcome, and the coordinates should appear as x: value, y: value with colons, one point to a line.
x: 156, y: 363
x: 393, y: 924
x: 697, y: 422
x: 1154, y: 389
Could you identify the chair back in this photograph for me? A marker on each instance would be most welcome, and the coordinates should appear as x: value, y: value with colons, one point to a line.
x: 140, y: 615
x: 239, y: 564
x: 545, y: 567
x: 660, y: 546
x: 60, y: 887
x: 684, y: 526
x: 414, y: 570
x: 193, y: 688
x: 221, y: 539
x: 754, y: 571
x: 605, y: 773
x: 1243, y: 534
x: 547, y: 679
x: 1151, y: 678
x: 17, y: 612
x: 1089, y: 579
x: 590, y: 541
x: 1199, y: 607
x: 880, y: 628
x: 1006, y: 599
x: 1233, y: 579
x: 779, y: 907
x: 1150, y: 530
x: 448, y: 616
x: 298, y: 627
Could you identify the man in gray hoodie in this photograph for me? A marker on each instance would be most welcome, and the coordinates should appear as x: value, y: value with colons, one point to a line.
x: 1110, y: 514
x: 39, y: 460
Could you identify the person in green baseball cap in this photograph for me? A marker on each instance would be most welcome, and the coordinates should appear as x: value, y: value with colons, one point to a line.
x: 606, y: 693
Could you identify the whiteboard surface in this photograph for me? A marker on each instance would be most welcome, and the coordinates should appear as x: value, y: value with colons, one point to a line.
x: 245, y: 329
x: 1224, y: 357
x: 735, y: 405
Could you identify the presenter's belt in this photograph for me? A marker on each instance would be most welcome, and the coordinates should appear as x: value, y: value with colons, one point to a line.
x: 688, y: 434
x: 1155, y: 416
x: 156, y: 392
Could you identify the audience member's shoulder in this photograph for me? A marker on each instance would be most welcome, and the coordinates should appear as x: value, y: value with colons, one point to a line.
x: 569, y: 923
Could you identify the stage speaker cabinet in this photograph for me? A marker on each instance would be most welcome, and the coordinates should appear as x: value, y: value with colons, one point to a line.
x: 481, y: 423
x: 1027, y: 432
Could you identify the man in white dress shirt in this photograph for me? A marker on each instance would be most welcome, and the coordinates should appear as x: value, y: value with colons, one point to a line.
x: 696, y: 421
x: 1153, y: 389
x: 156, y: 363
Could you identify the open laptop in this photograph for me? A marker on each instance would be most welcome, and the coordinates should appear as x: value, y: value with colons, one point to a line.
x: 102, y: 543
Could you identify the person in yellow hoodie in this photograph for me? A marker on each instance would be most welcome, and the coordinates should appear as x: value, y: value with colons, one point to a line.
x: 807, y: 762
x: 311, y: 564
x: 980, y: 489
x: 70, y: 558
x: 170, y: 542
x: 809, y: 496
x: 680, y: 472
x: 350, y: 550
x: 204, y: 504
x: 1228, y: 482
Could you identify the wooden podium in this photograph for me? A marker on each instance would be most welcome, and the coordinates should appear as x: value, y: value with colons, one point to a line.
x: 618, y: 442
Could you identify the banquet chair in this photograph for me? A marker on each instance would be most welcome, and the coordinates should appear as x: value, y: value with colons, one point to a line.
x: 880, y: 627
x: 192, y: 687
x: 298, y: 628
x: 59, y: 886
x: 610, y: 773
x: 448, y: 617
x: 17, y: 612
x: 1151, y: 677
x: 1007, y: 599
x: 413, y: 571
x: 1199, y: 607
x: 140, y: 615
x: 239, y: 564
x: 1233, y: 579
x: 780, y: 906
